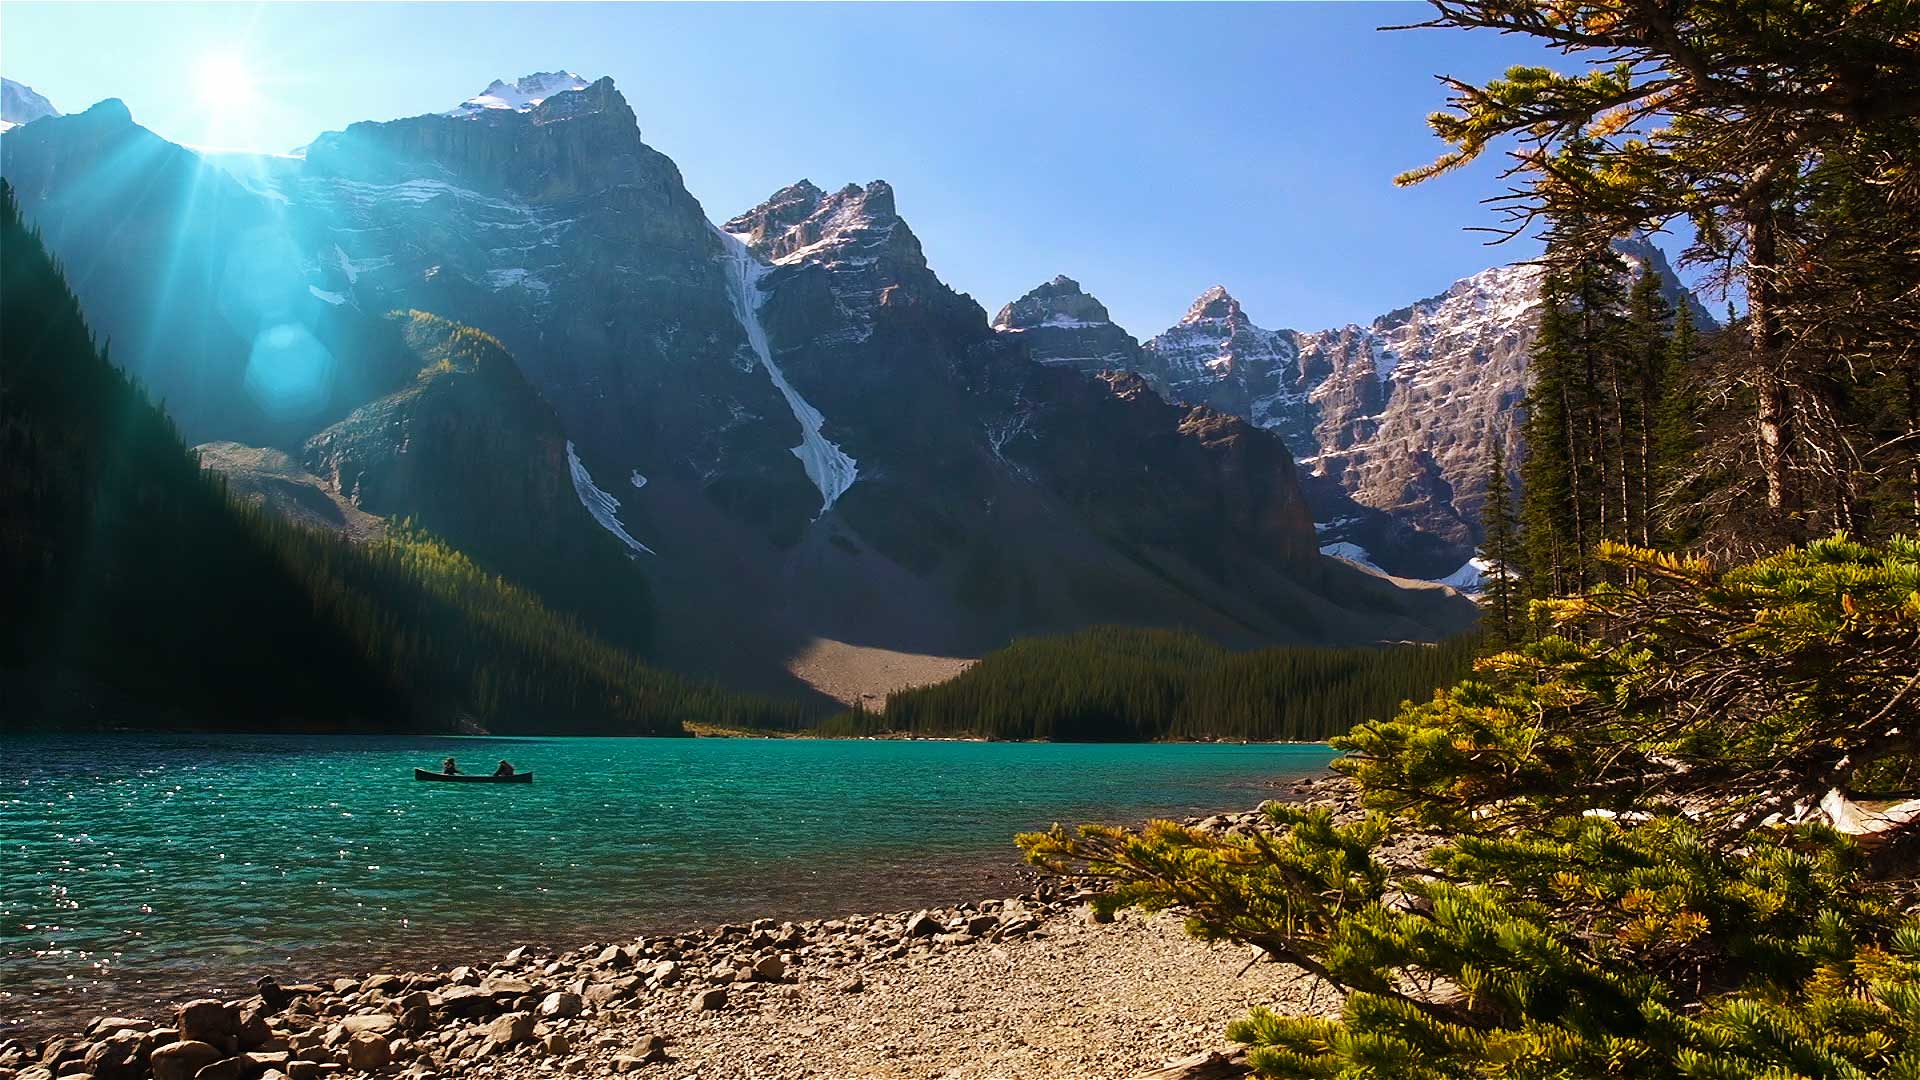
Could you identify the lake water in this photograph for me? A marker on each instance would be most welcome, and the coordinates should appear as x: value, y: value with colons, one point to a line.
x: 136, y: 869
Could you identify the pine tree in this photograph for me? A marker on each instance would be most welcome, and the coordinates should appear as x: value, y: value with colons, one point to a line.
x: 1501, y: 528
x: 1718, y: 113
x: 1645, y: 364
x: 1551, y: 519
x: 1619, y: 885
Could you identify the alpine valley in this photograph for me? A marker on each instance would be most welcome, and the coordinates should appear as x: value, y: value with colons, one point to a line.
x: 725, y: 441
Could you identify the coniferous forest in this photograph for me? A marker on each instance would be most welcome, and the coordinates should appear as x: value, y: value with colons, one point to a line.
x: 1669, y: 825
x: 137, y: 593
x: 1121, y: 684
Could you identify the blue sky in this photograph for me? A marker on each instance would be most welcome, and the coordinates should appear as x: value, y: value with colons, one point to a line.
x: 1147, y: 150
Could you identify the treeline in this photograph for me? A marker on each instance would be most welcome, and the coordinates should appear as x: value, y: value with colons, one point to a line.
x: 1119, y: 684
x: 138, y: 594
x: 1608, y: 427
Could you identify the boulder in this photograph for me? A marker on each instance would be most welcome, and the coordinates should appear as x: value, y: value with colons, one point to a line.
x: 184, y: 1059
x: 207, y: 1021
x: 560, y: 1005
x: 466, y: 1001
x: 233, y: 1068
x: 710, y: 1000
x: 555, y: 1044
x: 769, y: 969
x: 368, y: 1051
x: 122, y: 1057
x: 377, y: 1023
x: 512, y: 1028
x: 922, y: 924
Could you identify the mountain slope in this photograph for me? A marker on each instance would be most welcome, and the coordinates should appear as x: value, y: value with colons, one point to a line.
x: 139, y: 595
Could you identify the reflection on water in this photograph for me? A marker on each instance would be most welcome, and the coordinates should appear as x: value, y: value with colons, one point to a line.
x: 137, y: 868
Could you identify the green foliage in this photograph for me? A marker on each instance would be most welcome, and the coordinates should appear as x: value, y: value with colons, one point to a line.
x: 1622, y: 877
x: 138, y: 594
x: 1501, y: 527
x: 1118, y: 684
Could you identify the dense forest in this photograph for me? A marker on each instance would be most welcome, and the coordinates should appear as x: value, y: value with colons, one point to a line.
x: 139, y: 594
x: 1119, y: 684
x: 1668, y: 827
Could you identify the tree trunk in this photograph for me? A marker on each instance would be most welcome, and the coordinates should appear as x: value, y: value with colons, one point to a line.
x: 1772, y: 418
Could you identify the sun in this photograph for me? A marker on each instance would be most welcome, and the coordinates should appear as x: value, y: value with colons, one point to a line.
x: 225, y: 84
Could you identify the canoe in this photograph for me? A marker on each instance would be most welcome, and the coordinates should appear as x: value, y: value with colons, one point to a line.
x: 473, y: 778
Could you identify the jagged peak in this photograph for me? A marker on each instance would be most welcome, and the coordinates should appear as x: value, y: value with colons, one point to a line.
x: 801, y: 220
x: 1059, y: 302
x: 522, y: 94
x: 1214, y: 304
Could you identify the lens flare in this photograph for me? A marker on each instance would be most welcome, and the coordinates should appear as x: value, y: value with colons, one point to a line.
x: 225, y: 84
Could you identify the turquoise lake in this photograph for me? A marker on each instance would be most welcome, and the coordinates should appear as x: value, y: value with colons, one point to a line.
x: 135, y: 869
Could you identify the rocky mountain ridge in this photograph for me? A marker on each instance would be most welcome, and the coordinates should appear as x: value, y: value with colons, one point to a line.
x: 19, y: 104
x: 1392, y: 422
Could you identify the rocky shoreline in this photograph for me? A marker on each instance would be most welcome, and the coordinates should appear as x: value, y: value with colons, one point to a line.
x: 900, y: 994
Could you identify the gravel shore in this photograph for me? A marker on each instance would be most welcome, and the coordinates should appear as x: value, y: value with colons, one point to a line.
x: 1028, y: 986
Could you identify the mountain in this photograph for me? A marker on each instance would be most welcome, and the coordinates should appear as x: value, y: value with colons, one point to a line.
x: 140, y: 595
x: 1392, y: 420
x: 20, y: 105
x: 791, y: 425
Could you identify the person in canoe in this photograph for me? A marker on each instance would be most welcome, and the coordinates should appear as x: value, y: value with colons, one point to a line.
x: 449, y: 767
x: 505, y: 769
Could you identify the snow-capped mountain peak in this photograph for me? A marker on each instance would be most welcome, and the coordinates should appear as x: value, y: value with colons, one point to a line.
x: 1214, y: 304
x: 522, y: 94
x: 19, y: 104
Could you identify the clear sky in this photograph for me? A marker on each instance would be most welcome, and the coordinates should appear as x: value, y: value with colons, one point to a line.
x: 1146, y: 150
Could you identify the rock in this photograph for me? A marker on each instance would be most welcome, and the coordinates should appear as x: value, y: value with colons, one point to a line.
x: 377, y: 1023
x: 123, y: 1057
x: 850, y: 985
x: 368, y: 1051
x: 982, y: 924
x: 515, y: 956
x: 665, y: 973
x: 613, y: 956
x: 60, y: 1050
x: 650, y: 1048
x: 207, y: 1021
x: 110, y: 1025
x: 1093, y: 915
x: 555, y: 1044
x: 507, y: 988
x: 511, y: 1029
x: 225, y: 1069
x: 769, y: 969
x: 184, y: 1059
x: 301, y: 1070
x: 466, y: 1001
x: 710, y: 1000
x: 559, y: 1006
x: 922, y: 924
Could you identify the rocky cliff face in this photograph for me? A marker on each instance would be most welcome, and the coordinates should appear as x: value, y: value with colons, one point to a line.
x: 1392, y: 421
x: 788, y: 422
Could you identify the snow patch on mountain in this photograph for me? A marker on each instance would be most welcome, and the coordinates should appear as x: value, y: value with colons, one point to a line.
x: 1352, y: 553
x: 604, y: 507
x: 520, y: 95
x: 829, y: 467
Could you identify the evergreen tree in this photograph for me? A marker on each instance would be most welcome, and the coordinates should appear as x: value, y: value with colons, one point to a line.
x: 1551, y: 523
x: 1625, y: 877
x: 1721, y: 113
x: 1644, y: 365
x: 1501, y: 550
